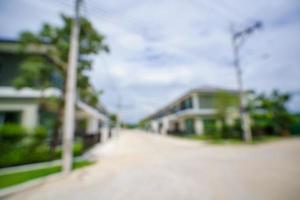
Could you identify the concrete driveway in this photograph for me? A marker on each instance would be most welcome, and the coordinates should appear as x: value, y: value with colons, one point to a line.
x: 140, y: 166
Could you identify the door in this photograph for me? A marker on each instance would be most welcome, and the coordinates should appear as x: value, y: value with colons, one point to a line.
x: 189, y: 126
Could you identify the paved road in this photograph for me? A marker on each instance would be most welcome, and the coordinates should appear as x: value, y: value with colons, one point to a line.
x: 139, y: 166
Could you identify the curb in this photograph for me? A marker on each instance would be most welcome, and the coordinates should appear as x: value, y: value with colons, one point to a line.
x: 28, y: 167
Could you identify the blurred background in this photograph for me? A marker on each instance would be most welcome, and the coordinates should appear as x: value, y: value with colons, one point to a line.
x: 76, y: 74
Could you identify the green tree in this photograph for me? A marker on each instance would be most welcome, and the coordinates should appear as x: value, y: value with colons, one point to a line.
x: 113, y: 119
x: 224, y: 102
x: 144, y: 124
x: 270, y: 114
x: 47, y: 59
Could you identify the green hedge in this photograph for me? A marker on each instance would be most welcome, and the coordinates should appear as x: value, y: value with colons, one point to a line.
x: 11, y: 133
x: 19, y: 146
x: 295, y: 125
x: 27, y: 154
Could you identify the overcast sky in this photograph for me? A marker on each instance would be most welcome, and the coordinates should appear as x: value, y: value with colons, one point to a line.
x: 162, y: 48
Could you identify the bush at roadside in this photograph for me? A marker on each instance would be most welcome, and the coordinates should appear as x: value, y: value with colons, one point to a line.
x: 19, y: 146
x: 11, y: 133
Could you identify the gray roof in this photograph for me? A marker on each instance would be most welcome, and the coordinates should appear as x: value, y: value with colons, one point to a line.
x: 210, y: 89
x: 203, y: 89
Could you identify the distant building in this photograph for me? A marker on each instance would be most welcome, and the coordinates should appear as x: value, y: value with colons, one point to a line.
x: 23, y: 106
x: 193, y: 113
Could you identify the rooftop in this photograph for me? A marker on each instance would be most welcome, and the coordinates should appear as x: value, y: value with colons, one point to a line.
x: 202, y: 89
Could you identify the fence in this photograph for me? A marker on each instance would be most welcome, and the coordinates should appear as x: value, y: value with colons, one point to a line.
x: 89, y: 139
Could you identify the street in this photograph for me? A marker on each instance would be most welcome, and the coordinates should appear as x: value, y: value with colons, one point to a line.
x: 142, y: 166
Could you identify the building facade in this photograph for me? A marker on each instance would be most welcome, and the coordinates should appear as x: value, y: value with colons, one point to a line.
x: 24, y: 106
x: 193, y: 113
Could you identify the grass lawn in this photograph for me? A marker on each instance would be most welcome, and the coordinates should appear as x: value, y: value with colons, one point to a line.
x: 210, y: 140
x: 20, y: 177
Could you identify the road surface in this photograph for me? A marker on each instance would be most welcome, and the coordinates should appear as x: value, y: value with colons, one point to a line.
x: 140, y: 166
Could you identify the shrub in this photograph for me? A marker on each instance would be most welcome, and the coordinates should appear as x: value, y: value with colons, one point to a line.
x: 226, y: 131
x: 40, y: 133
x: 210, y: 126
x: 19, y: 147
x: 39, y: 153
x: 11, y: 157
x: 78, y: 148
x: 270, y: 114
x: 24, y: 154
x: 38, y: 137
x: 235, y: 130
x: 217, y: 134
x: 12, y: 133
x: 295, y: 125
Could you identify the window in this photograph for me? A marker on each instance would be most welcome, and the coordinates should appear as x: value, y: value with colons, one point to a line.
x: 189, y: 126
x: 206, y: 101
x: 10, y: 117
x: 189, y: 103
x: 182, y: 105
x: 186, y: 104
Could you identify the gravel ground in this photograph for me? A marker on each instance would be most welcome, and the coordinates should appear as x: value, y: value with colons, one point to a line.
x: 140, y: 166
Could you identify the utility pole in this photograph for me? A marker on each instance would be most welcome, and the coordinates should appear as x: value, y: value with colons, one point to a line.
x: 119, y: 108
x: 238, y: 38
x: 70, y: 97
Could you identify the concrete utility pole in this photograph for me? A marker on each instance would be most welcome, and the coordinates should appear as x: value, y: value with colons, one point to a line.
x: 70, y: 98
x: 119, y: 108
x: 238, y: 39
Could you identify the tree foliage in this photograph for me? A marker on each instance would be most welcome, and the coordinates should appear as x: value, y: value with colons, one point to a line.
x: 226, y: 103
x: 46, y: 59
x: 34, y: 73
x: 270, y: 114
x: 223, y: 102
x: 53, y: 42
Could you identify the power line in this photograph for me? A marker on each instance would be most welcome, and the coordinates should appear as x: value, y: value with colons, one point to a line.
x: 216, y: 9
x: 106, y: 15
x: 85, y: 10
x: 245, y: 16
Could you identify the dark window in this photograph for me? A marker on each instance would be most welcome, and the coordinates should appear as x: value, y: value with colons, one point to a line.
x: 189, y: 103
x: 10, y: 117
x: 189, y: 126
x: 186, y: 104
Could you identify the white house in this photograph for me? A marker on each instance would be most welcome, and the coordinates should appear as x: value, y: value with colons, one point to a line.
x: 193, y: 112
x: 23, y: 106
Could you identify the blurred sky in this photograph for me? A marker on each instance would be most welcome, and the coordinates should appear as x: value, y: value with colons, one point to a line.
x: 162, y: 48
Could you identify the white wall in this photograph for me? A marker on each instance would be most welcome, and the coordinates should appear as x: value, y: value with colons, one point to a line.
x: 199, y: 126
x: 154, y: 125
x: 104, y: 133
x: 195, y: 100
x: 181, y: 124
x: 92, y: 125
